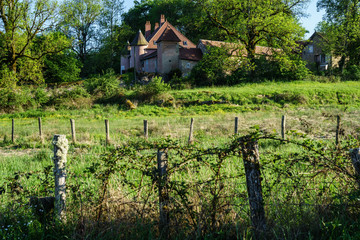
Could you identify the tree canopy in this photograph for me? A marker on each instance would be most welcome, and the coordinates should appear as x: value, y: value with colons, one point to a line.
x: 25, y: 32
x: 258, y: 22
x: 342, y: 29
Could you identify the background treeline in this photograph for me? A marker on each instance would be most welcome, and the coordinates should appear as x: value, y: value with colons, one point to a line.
x: 65, y: 41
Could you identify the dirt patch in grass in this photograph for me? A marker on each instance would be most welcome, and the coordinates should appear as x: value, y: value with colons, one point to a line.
x: 9, y: 152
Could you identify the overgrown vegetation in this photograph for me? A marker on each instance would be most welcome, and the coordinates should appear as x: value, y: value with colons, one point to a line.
x: 309, y: 189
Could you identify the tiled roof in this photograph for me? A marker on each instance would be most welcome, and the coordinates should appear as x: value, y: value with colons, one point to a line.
x: 154, y: 37
x: 139, y: 40
x: 169, y: 36
x: 234, y: 48
x: 193, y: 54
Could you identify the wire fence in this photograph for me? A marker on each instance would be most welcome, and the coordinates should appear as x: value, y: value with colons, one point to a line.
x: 206, y: 190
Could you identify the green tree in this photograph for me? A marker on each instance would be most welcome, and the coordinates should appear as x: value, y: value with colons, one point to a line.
x: 186, y: 15
x: 24, y: 34
x: 257, y: 22
x: 342, y: 30
x: 61, y: 67
x: 78, y: 22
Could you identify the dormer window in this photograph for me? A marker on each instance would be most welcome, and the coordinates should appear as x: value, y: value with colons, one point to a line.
x: 185, y: 43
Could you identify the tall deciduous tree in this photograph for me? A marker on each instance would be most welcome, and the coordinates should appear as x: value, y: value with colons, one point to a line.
x: 109, y: 21
x: 257, y: 22
x: 342, y: 29
x: 186, y: 15
x: 79, y: 18
x: 23, y: 24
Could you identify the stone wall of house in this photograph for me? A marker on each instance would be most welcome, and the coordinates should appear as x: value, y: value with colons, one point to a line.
x: 150, y: 65
x: 125, y: 63
x: 185, y: 66
x: 168, y: 56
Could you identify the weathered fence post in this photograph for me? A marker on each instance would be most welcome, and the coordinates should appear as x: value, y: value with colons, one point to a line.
x: 73, y: 132
x: 283, y: 129
x: 338, y: 126
x: 40, y: 130
x: 12, y: 130
x: 355, y: 158
x: 250, y: 154
x: 190, y: 141
x: 60, y: 151
x: 162, y: 159
x: 146, y: 129
x: 236, y: 125
x: 107, y: 129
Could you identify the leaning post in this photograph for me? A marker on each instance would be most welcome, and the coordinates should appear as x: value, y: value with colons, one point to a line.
x: 162, y: 160
x: 338, y: 127
x: 40, y: 130
x: 191, y: 140
x: 61, y: 147
x: 236, y: 125
x: 250, y: 154
x: 355, y: 158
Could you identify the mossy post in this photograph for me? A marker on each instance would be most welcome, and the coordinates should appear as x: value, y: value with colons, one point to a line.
x: 146, y: 129
x: 12, y: 130
x: 283, y: 126
x: 107, y: 131
x: 40, y: 130
x: 191, y: 140
x: 73, y: 132
x: 162, y: 160
x: 355, y: 158
x: 236, y: 125
x: 61, y: 147
x: 250, y: 154
x: 338, y: 127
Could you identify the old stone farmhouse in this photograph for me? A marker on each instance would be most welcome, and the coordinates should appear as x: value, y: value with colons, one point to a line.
x: 164, y: 48
x: 161, y: 50
x: 315, y: 55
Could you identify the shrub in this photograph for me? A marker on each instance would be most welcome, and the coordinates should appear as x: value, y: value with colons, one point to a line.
x: 105, y: 85
x: 62, y: 67
x: 8, y: 78
x: 152, y: 89
x: 352, y: 72
x: 212, y: 69
x: 16, y: 99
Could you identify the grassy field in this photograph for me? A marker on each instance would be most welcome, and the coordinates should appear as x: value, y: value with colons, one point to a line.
x: 301, y: 192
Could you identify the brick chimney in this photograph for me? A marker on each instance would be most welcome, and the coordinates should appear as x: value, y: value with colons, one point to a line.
x: 162, y: 19
x: 147, y: 29
x: 156, y: 26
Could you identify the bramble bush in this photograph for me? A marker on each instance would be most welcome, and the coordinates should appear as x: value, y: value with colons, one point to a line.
x: 154, y: 88
x: 103, y: 85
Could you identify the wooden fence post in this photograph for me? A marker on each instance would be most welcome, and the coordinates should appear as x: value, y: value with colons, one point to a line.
x: 60, y: 151
x: 250, y: 154
x: 236, y: 125
x: 190, y: 141
x: 283, y: 129
x: 162, y: 159
x: 73, y: 132
x: 12, y: 130
x: 146, y: 129
x: 107, y: 129
x: 355, y: 158
x: 40, y: 130
x: 338, y: 126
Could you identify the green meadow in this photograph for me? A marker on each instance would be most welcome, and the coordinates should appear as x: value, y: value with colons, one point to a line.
x: 309, y: 187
